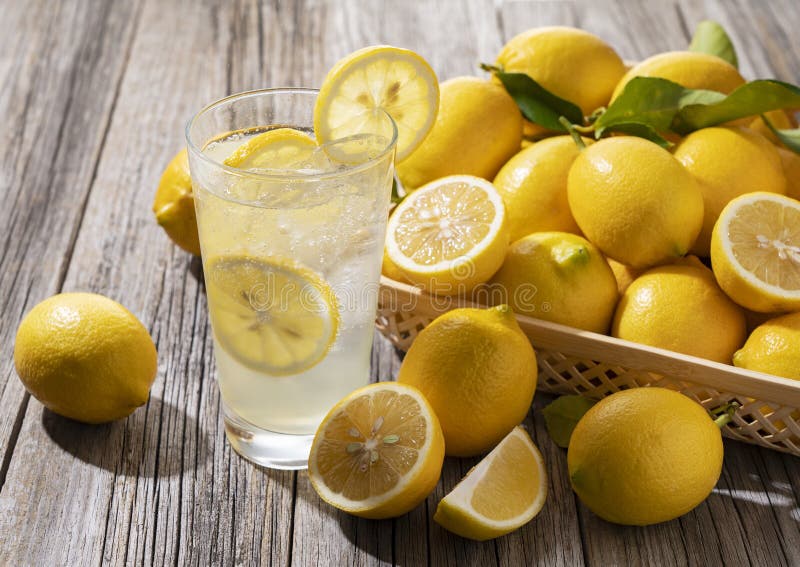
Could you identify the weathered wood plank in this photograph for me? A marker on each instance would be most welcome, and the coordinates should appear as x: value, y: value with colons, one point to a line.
x: 57, y: 91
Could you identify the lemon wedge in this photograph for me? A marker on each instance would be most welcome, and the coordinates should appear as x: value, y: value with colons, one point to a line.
x: 500, y: 494
x: 282, y: 148
x: 755, y: 252
x: 449, y: 235
x: 397, y: 81
x: 270, y: 314
x: 378, y: 453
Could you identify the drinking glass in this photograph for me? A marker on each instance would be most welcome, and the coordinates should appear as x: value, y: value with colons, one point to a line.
x: 291, y: 256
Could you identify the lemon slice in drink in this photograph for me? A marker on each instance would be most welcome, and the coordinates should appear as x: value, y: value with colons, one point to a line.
x: 282, y: 148
x: 755, y: 252
x: 449, y: 235
x: 378, y: 453
x: 500, y: 494
x: 375, y: 78
x: 270, y: 314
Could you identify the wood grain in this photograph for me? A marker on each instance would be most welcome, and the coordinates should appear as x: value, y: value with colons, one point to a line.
x: 93, y: 99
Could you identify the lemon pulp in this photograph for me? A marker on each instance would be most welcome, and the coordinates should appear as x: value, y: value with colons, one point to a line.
x: 282, y: 148
x: 271, y: 315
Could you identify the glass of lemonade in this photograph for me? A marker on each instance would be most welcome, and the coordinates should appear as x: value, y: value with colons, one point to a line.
x: 292, y: 235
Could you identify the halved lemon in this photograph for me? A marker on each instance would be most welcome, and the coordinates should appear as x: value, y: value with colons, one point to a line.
x: 378, y: 453
x: 500, y: 494
x: 397, y: 81
x: 755, y: 252
x: 282, y: 148
x: 270, y: 314
x: 449, y: 235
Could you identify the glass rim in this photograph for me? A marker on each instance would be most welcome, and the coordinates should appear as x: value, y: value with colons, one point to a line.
x: 280, y: 174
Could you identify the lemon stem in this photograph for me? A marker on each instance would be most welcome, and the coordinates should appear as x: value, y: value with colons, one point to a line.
x: 725, y: 414
x: 573, y: 131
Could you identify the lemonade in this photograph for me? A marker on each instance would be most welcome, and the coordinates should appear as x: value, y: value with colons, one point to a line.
x: 291, y: 235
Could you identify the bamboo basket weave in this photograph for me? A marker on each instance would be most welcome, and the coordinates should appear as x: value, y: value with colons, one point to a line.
x: 572, y: 361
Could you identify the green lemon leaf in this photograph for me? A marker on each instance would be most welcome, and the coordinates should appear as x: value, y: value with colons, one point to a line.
x: 652, y: 102
x: 710, y: 37
x: 755, y: 97
x: 535, y: 102
x: 641, y: 130
x: 790, y: 137
x: 563, y: 414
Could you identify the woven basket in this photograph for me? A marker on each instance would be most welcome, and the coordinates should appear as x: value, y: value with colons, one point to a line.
x: 580, y: 362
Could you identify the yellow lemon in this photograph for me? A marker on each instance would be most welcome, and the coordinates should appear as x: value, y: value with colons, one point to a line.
x: 270, y: 314
x: 533, y: 185
x: 644, y: 456
x: 450, y: 235
x: 390, y: 269
x: 558, y: 277
x: 625, y: 275
x: 380, y: 77
x: 85, y: 357
x: 282, y: 148
x: 378, y: 453
x: 571, y: 63
x: 755, y: 252
x: 477, y: 129
x: 773, y: 347
x: 690, y: 69
x: 681, y: 308
x: 728, y: 162
x: 782, y: 120
x: 790, y: 162
x: 174, y: 204
x: 478, y: 370
x: 635, y: 201
x: 500, y: 494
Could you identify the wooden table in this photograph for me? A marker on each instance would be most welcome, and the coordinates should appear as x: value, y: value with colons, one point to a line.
x: 93, y: 99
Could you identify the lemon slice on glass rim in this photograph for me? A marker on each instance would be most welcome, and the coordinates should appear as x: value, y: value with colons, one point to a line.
x: 270, y: 314
x: 500, y: 494
x: 281, y: 148
x: 378, y: 453
x: 755, y: 252
x: 371, y: 80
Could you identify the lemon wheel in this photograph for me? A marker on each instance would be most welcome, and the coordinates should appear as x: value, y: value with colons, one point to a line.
x: 271, y: 315
x: 378, y: 453
x: 397, y: 81
x: 282, y: 148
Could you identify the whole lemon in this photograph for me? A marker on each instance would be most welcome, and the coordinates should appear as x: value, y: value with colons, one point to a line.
x: 85, y: 357
x: 782, y: 120
x: 625, y: 275
x: 790, y: 162
x: 691, y: 69
x: 558, y: 277
x: 681, y: 308
x: 478, y: 371
x: 174, y: 204
x: 533, y: 185
x: 728, y: 162
x: 634, y: 201
x: 477, y: 129
x: 644, y: 456
x: 571, y: 63
x: 773, y: 347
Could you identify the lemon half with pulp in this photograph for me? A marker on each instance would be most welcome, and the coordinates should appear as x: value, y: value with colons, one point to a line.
x: 378, y: 453
x: 272, y: 315
x: 374, y: 79
x: 755, y: 252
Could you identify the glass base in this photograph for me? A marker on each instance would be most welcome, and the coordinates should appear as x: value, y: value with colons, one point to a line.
x: 267, y: 448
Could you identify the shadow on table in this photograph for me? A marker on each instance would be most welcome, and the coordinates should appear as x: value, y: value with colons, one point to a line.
x: 196, y: 269
x: 158, y: 439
